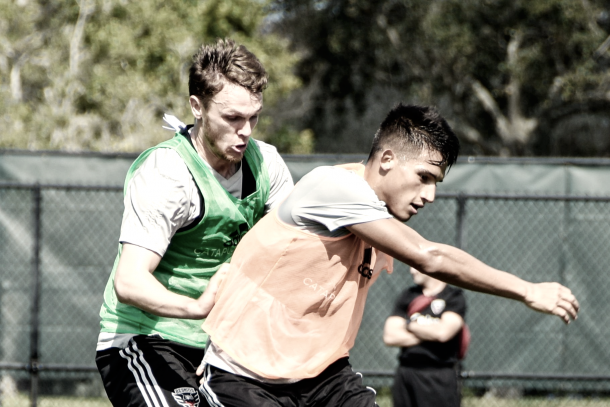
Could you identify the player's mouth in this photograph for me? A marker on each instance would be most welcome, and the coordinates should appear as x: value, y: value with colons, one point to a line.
x: 240, y: 148
x: 414, y: 208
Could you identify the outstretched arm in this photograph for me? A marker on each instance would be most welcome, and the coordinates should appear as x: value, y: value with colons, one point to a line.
x: 454, y: 266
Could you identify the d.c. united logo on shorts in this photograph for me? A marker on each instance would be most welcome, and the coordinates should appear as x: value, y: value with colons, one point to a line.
x: 186, y: 396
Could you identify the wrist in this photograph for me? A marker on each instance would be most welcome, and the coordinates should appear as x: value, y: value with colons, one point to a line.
x: 526, y: 292
x: 194, y: 309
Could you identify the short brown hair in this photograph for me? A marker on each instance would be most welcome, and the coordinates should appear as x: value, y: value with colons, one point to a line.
x: 411, y: 129
x: 216, y: 64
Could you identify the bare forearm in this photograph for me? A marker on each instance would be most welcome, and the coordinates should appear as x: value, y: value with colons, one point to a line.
x: 395, y: 333
x: 443, y: 262
x: 443, y: 330
x: 153, y: 297
x: 456, y: 267
x: 135, y: 285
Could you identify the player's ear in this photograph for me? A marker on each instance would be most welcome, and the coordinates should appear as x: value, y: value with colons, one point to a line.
x: 196, y: 107
x: 387, y: 160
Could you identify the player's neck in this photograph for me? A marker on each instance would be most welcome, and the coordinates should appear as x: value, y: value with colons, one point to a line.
x: 433, y: 288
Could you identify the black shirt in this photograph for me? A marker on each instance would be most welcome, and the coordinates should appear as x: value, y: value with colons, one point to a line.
x: 429, y: 353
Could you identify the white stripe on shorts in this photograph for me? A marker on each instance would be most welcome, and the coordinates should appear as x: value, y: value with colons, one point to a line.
x: 144, y: 378
x: 368, y: 388
x: 207, y: 391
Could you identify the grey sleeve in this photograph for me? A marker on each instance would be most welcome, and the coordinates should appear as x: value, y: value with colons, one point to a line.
x: 280, y: 178
x: 331, y: 198
x: 160, y: 199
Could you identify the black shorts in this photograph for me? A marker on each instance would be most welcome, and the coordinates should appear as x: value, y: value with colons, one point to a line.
x: 151, y: 371
x: 426, y: 387
x: 337, y: 386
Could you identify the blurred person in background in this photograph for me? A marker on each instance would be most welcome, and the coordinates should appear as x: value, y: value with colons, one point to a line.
x: 427, y: 323
x: 188, y: 202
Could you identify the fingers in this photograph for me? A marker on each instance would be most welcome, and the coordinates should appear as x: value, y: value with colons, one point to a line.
x: 207, y: 300
x: 219, y: 276
x: 555, y: 299
x: 567, y: 305
x: 566, y: 312
x: 199, y: 372
x: 224, y: 268
x: 563, y: 314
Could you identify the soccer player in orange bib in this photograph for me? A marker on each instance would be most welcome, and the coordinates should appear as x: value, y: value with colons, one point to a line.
x: 289, y: 308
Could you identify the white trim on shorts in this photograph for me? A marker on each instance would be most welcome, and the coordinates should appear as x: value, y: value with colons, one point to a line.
x: 206, y: 390
x: 150, y: 389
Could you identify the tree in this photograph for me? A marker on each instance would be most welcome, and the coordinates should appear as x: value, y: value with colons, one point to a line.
x: 98, y: 75
x: 509, y: 75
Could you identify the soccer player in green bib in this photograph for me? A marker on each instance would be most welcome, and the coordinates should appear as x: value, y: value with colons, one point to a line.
x: 188, y: 201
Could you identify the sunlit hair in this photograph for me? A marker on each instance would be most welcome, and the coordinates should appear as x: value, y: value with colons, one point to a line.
x: 409, y: 130
x: 214, y: 65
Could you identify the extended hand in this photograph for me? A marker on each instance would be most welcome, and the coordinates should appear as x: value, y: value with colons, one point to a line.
x: 208, y: 298
x: 200, y: 370
x: 553, y: 298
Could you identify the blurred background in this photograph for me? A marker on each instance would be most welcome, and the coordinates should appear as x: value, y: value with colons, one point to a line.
x: 514, y: 78
x: 525, y: 85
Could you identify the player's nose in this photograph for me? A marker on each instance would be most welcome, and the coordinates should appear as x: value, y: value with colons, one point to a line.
x: 428, y: 193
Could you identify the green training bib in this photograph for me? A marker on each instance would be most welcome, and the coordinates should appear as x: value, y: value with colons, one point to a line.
x: 193, y: 255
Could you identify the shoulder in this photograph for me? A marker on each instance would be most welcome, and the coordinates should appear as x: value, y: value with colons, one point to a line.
x: 404, y: 299
x: 338, y: 185
x: 333, y: 172
x: 270, y: 154
x: 455, y: 299
x: 266, y: 148
x: 336, y: 180
x: 280, y: 179
x: 163, y: 169
x: 273, y: 161
x: 165, y: 161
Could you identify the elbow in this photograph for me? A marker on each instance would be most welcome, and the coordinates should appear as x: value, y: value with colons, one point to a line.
x: 444, y: 337
x: 389, y: 339
x: 430, y: 260
x: 122, y: 291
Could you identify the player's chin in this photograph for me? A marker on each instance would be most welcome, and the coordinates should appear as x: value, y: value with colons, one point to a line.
x: 233, y: 157
x: 404, y: 217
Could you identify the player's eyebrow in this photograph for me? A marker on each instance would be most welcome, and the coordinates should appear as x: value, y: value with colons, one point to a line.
x: 236, y: 112
x: 430, y: 173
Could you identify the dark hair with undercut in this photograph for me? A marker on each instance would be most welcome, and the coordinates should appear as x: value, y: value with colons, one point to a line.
x: 214, y: 65
x: 408, y: 130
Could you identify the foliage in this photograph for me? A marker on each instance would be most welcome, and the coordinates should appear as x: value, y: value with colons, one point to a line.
x: 99, y: 74
x: 509, y: 74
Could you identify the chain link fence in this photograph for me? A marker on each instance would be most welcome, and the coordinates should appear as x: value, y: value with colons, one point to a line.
x: 58, y: 243
x: 516, y: 356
